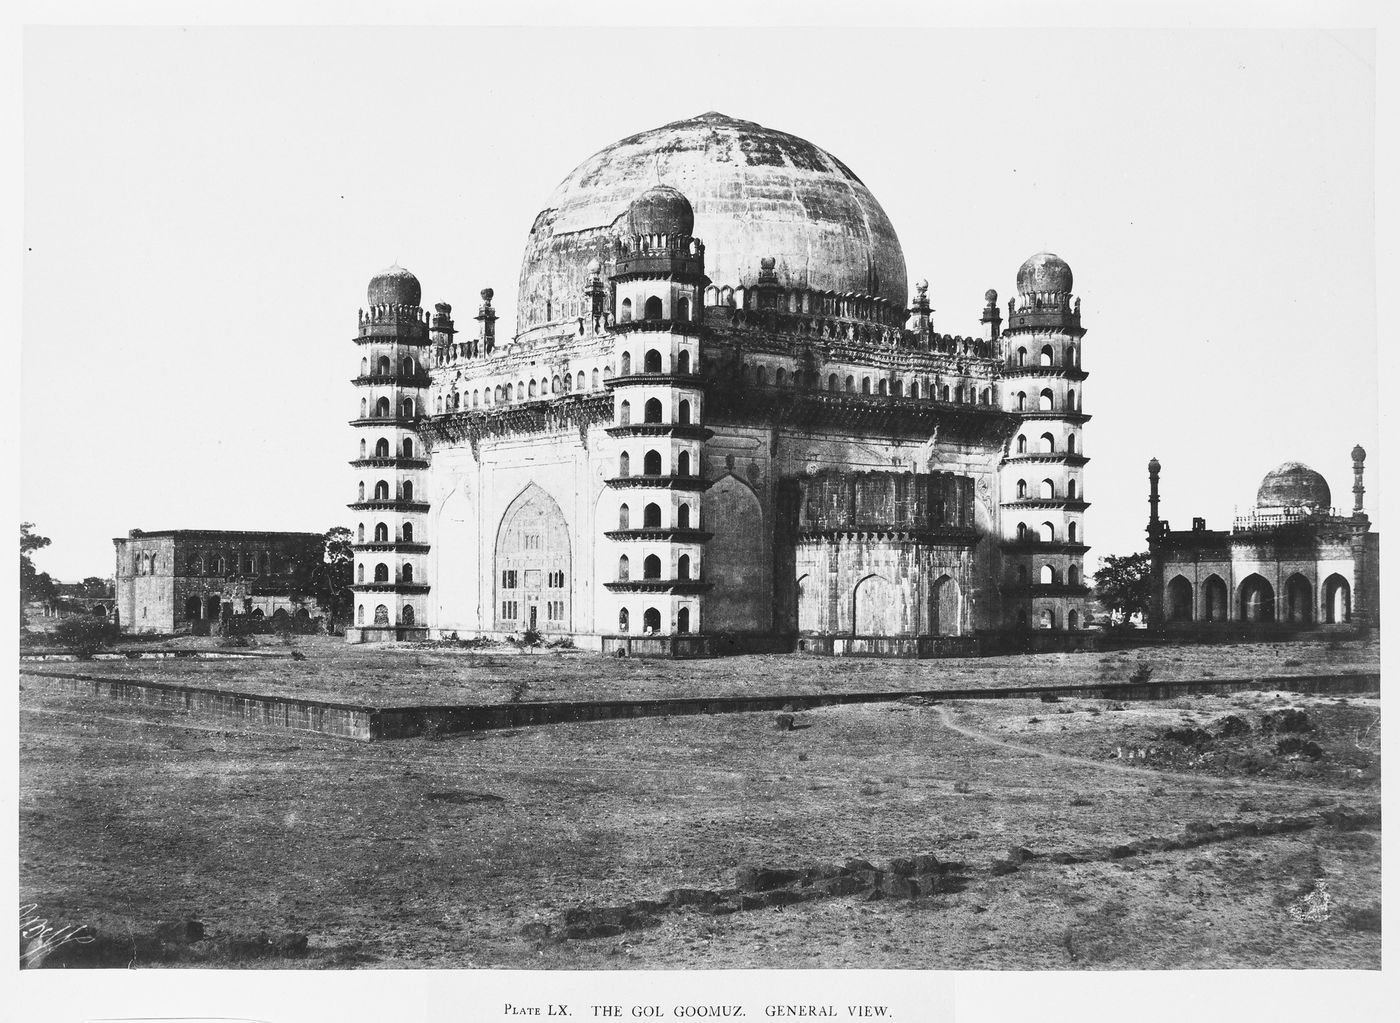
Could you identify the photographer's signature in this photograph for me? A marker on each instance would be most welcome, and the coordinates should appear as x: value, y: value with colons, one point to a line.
x: 38, y: 938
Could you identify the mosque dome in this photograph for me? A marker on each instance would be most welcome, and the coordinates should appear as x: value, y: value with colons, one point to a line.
x: 747, y: 191
x: 394, y: 286
x: 1294, y: 485
x: 1044, y: 273
x: 661, y: 210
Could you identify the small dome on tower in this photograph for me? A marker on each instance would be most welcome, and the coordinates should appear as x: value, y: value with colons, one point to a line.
x: 661, y: 209
x: 1294, y: 485
x: 1044, y: 272
x: 394, y: 286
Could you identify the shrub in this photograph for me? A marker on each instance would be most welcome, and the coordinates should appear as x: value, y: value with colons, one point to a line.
x: 532, y: 637
x: 84, y: 635
x: 1142, y: 673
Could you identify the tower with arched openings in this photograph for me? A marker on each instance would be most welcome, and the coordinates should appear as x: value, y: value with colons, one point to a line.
x: 1042, y: 476
x: 394, y: 339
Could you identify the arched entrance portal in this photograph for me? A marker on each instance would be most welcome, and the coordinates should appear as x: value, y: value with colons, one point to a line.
x: 192, y: 608
x: 1215, y: 600
x: 945, y: 605
x: 874, y: 607
x: 1179, y: 601
x: 533, y: 577
x: 1298, y: 599
x: 1336, y: 599
x: 1256, y: 600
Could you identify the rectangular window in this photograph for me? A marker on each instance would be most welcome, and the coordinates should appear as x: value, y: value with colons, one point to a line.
x: 510, y: 609
x: 532, y: 541
x: 510, y: 579
x: 533, y: 576
x: 555, y: 610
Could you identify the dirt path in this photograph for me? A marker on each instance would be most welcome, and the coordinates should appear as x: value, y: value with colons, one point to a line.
x: 1148, y: 772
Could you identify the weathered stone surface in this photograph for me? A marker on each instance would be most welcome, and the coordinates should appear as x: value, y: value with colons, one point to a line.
x: 757, y: 879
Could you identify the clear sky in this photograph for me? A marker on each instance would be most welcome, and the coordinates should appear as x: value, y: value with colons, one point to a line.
x: 203, y: 209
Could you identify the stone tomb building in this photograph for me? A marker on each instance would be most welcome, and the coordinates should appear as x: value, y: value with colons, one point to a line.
x: 1293, y: 562
x: 177, y: 580
x: 723, y: 424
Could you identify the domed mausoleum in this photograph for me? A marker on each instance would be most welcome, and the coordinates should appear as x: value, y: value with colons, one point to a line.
x: 1292, y: 562
x: 722, y: 423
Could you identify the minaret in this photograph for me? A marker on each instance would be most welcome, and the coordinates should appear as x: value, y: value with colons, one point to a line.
x: 658, y: 284
x: 394, y: 340
x: 1363, y: 598
x: 1042, y: 486
x: 1156, y: 528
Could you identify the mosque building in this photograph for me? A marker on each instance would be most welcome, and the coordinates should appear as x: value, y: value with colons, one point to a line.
x: 723, y: 424
x: 1293, y: 562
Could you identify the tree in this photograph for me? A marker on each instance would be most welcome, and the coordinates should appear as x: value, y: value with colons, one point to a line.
x: 93, y: 586
x: 33, y: 584
x: 1124, y: 584
x: 331, y: 578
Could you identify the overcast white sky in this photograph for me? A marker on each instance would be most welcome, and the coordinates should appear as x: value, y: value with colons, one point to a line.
x: 203, y: 209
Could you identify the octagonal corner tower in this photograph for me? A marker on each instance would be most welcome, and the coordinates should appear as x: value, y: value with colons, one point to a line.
x: 757, y: 193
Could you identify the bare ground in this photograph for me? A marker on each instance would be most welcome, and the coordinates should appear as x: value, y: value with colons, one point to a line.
x: 472, y: 851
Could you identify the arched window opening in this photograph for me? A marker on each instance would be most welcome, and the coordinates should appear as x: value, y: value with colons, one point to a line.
x: 1336, y: 599
x: 364, y: 408
x: 1020, y: 356
x: 683, y: 413
x: 651, y: 567
x: 652, y: 362
x: 1047, y: 356
x: 359, y: 573
x: 1047, y: 619
x: 652, y: 310
x: 407, y: 490
x: 865, y: 385
x: 580, y: 382
x: 1072, y: 490
x: 360, y: 615
x: 946, y: 392
x: 1256, y: 600
x: 1070, y: 444
x: 651, y: 621
x: 623, y: 515
x: 383, y: 367
x: 1298, y: 599
x: 381, y: 615
x: 958, y: 394
x: 1020, y: 401
x: 1215, y: 600
x: 1047, y: 490
x: 683, y: 567
x: 761, y: 376
x: 1021, y: 445
x: 364, y: 367
x: 624, y: 464
x: 651, y: 463
x: 1047, y: 400
x: 683, y: 517
x: 1047, y: 532
x: 913, y: 388
x: 532, y: 389
x: 624, y: 620
x: 1073, y: 619
x: 626, y: 314
x: 1047, y: 575
x: 683, y: 621
x: 594, y: 379
x: 1074, y: 532
x: 381, y: 573
x: 1073, y: 575
x: 381, y: 532
x: 362, y: 447
x: 381, y: 408
x: 1047, y: 444
x: 381, y: 448
x: 360, y: 533
x: 407, y: 614
x: 624, y: 569
x: 831, y: 382
x: 651, y: 516
x: 1020, y: 532
x: 683, y: 311
x: 851, y: 384
x: 362, y: 490
x: 653, y: 410
x: 408, y: 573
x: 1071, y: 355
x: 1069, y: 402
x: 381, y: 490
x: 1020, y: 489
x: 683, y: 464
x: 1179, y: 600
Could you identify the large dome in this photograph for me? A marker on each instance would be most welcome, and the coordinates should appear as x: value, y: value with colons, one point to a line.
x: 755, y: 192
x: 1294, y: 485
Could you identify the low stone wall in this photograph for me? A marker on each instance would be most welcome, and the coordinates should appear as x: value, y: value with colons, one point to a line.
x: 241, y: 709
x: 367, y: 723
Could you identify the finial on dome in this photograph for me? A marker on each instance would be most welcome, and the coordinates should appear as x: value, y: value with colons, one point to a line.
x: 487, y: 294
x: 990, y: 297
x: 767, y: 263
x: 1358, y: 454
x: 594, y: 267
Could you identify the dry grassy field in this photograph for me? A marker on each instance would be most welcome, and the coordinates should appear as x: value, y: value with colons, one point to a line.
x: 1077, y: 834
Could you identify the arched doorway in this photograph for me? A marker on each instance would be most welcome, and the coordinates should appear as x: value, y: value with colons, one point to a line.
x: 533, y: 565
x: 1298, y: 599
x: 192, y: 608
x: 1256, y: 600
x: 808, y: 608
x: 875, y: 610
x: 1179, y: 600
x: 1336, y: 599
x: 651, y: 621
x: 1215, y: 600
x: 945, y: 605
